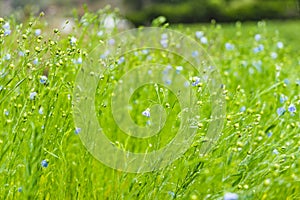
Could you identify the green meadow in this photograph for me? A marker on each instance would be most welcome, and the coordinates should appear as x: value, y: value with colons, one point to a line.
x: 256, y: 156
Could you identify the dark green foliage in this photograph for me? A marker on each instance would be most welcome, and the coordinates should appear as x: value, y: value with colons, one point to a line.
x: 192, y: 11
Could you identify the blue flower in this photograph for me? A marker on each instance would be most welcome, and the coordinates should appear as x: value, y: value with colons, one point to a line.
x: 77, y: 130
x: 172, y: 194
x: 164, y: 43
x: 229, y: 46
x: 231, y: 196
x: 105, y: 54
x: 280, y: 111
x: 199, y: 34
x: 186, y: 84
x: 37, y: 32
x: 280, y: 45
x: 44, y: 163
x: 292, y: 108
x: 168, y: 82
x: 257, y: 37
x: 195, y: 81
x: 32, y: 95
x: 179, y: 69
x: 73, y: 40
x: 6, y: 112
x: 7, y: 32
x: 111, y: 42
x: 242, y: 109
x: 195, y: 53
x: 283, y: 98
x: 204, y: 40
x: 258, y: 49
x: 20, y: 189
x: 275, y: 151
x: 146, y: 112
x: 21, y: 53
x: 167, y: 69
x: 6, y: 28
x: 164, y: 36
x: 269, y: 134
x: 274, y: 55
x: 36, y: 61
x: 121, y: 60
x: 286, y: 81
x: 43, y: 79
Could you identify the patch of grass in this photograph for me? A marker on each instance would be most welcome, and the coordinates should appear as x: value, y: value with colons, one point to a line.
x: 257, y: 155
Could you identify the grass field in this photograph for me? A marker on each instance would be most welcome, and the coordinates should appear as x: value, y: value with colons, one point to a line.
x: 257, y: 155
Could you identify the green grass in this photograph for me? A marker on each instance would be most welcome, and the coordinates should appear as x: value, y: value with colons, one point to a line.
x: 257, y: 155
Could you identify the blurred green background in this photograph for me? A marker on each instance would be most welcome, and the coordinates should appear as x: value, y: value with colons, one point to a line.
x: 176, y: 11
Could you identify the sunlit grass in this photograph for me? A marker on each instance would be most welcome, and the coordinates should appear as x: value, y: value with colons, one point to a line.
x: 256, y: 157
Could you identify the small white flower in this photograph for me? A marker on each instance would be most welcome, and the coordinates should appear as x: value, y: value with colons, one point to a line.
x: 79, y: 60
x: 6, y: 112
x: 41, y: 111
x: 7, y: 57
x: 145, y: 51
x: 100, y: 33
